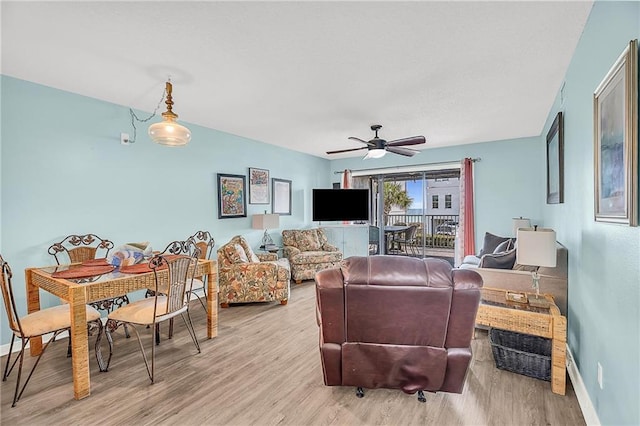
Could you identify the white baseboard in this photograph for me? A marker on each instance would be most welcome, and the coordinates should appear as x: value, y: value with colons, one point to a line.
x: 588, y: 410
x: 4, y: 349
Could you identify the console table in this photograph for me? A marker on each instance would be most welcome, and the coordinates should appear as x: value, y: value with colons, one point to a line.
x: 496, y: 311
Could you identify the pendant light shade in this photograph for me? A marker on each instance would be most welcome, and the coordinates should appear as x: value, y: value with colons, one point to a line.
x: 168, y: 131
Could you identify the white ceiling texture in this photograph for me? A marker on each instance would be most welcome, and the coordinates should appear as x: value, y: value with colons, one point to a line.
x: 306, y: 75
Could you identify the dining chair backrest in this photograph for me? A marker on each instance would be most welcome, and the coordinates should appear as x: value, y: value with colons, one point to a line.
x: 80, y: 248
x: 411, y: 232
x: 8, y: 298
x: 205, y: 243
x: 181, y: 268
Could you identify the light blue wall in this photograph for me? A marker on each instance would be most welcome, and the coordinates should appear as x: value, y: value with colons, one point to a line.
x: 79, y: 179
x: 64, y: 171
x: 507, y: 179
x: 604, y: 259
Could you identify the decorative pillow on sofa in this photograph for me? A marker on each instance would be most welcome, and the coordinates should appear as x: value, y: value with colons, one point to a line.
x: 307, y: 240
x: 504, y: 260
x: 505, y: 246
x: 236, y: 253
x: 491, y: 242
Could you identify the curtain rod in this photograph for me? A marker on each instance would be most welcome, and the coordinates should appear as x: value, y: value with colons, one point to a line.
x: 475, y: 160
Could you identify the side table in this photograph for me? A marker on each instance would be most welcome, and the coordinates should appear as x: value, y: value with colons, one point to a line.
x: 496, y: 311
x: 271, y: 249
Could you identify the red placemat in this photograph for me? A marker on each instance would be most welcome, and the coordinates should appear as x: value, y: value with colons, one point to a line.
x: 140, y: 268
x: 82, y: 272
x: 96, y: 262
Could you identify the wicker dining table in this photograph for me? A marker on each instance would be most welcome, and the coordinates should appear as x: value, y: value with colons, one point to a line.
x: 109, y: 285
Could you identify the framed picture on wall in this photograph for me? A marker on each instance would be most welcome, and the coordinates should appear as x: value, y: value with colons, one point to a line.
x: 555, y: 161
x: 281, y: 189
x: 258, y: 186
x: 232, y: 199
x: 615, y: 117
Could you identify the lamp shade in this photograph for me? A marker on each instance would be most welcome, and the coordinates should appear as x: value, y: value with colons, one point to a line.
x: 169, y: 132
x: 536, y: 247
x: 375, y: 153
x: 520, y: 222
x: 266, y: 221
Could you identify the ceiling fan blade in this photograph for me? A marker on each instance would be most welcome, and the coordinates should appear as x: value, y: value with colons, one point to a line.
x: 402, y: 151
x: 358, y: 139
x: 346, y: 150
x: 414, y: 140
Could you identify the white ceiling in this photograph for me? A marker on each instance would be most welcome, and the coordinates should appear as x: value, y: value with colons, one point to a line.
x: 306, y: 75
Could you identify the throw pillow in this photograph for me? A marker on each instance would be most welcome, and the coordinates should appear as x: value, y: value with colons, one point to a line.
x: 505, y: 246
x: 491, y: 242
x: 235, y: 253
x: 504, y: 260
x: 251, y: 256
x: 289, y: 238
x: 307, y: 240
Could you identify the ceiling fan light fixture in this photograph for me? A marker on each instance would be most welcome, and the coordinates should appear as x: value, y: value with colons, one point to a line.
x: 375, y: 153
x: 168, y: 131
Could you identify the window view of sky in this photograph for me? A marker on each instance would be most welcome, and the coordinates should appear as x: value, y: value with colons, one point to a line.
x: 414, y: 189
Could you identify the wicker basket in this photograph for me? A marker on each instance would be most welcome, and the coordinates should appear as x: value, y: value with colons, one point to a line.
x: 521, y: 353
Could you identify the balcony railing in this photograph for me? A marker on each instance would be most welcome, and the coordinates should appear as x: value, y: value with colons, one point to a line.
x: 434, y: 231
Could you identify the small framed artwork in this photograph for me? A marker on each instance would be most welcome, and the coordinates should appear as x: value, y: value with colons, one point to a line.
x: 258, y: 186
x: 281, y: 189
x: 232, y: 200
x: 555, y: 161
x: 615, y: 118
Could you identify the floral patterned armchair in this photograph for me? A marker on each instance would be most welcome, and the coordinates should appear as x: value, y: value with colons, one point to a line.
x: 309, y: 251
x: 244, y: 276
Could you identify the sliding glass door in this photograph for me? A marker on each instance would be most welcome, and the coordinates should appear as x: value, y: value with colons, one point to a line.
x: 414, y: 214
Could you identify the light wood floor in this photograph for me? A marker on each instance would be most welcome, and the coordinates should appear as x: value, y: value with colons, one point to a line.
x: 264, y: 369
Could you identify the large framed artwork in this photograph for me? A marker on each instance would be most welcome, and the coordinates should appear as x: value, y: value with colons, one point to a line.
x: 615, y: 117
x: 555, y: 162
x: 232, y: 199
x: 258, y: 186
x: 281, y: 189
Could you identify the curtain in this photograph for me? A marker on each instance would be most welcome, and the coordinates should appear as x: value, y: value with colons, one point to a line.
x: 346, y: 184
x: 465, y: 237
x: 346, y: 179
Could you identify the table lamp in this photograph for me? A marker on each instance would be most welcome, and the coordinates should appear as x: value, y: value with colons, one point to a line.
x: 266, y: 221
x: 536, y: 247
x: 520, y: 222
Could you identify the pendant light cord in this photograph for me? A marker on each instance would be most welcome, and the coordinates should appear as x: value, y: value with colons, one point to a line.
x: 135, y: 118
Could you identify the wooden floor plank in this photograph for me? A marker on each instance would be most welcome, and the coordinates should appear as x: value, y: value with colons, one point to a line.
x: 264, y: 369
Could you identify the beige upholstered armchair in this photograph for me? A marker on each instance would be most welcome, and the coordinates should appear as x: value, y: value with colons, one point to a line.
x: 309, y: 251
x: 244, y: 276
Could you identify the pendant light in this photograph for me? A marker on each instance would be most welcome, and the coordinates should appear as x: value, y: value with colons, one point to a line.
x: 168, y: 131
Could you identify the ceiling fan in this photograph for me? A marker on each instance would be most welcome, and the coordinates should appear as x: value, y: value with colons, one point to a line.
x: 378, y: 147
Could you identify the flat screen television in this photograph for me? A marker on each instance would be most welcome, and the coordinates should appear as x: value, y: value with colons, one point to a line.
x: 340, y: 204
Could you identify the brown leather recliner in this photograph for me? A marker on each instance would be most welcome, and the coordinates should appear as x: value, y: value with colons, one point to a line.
x: 396, y: 322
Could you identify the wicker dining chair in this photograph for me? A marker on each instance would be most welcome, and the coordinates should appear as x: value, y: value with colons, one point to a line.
x: 80, y: 248
x: 205, y: 243
x: 50, y: 320
x: 179, y: 259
